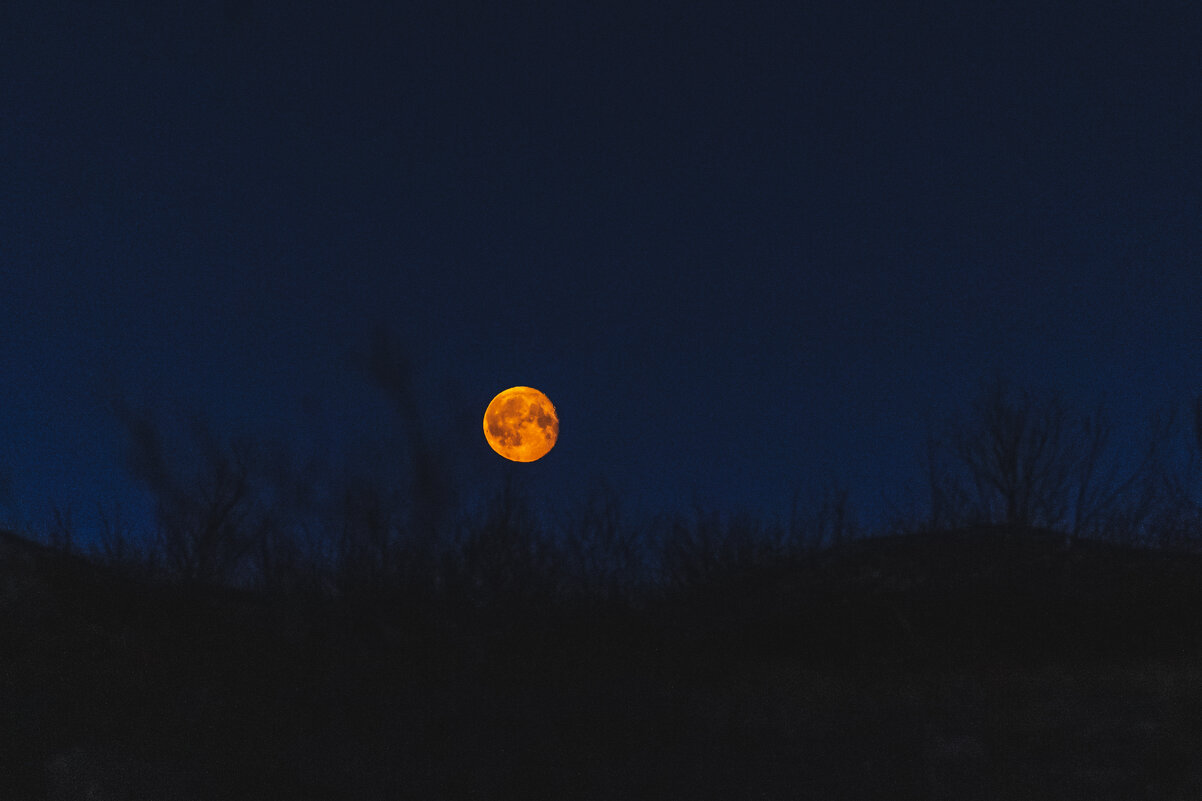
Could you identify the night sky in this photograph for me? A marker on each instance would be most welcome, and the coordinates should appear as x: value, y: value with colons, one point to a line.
x: 747, y: 249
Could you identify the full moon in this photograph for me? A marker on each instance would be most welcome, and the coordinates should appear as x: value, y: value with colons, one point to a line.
x: 521, y: 424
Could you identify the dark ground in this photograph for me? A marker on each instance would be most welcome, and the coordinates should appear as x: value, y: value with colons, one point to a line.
x: 963, y: 665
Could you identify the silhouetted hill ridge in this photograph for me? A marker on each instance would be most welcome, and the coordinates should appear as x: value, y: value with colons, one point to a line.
x: 263, y: 695
x: 988, y: 571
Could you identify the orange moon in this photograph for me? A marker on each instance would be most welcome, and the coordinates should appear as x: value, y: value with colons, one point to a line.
x: 521, y: 424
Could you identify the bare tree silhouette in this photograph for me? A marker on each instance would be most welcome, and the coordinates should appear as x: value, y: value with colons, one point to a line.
x: 1021, y: 454
x: 1025, y: 459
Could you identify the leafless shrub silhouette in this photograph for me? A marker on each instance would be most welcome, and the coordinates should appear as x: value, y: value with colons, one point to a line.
x: 291, y: 552
x: 1174, y: 517
x: 834, y: 522
x: 60, y: 531
x: 118, y: 547
x: 506, y: 557
x: 1130, y: 508
x: 709, y: 547
x: 8, y: 501
x: 206, y: 516
x: 603, y: 556
x: 950, y: 502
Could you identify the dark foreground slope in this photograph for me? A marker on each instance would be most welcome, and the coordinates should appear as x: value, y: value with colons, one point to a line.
x: 940, y: 666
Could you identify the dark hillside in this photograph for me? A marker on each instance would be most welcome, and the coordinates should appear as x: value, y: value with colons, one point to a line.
x: 966, y: 664
x: 983, y: 594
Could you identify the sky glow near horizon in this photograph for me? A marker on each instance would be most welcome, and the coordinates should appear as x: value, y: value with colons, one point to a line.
x: 746, y: 254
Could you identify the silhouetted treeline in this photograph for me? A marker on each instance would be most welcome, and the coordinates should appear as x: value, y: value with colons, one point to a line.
x: 288, y: 630
x: 233, y: 511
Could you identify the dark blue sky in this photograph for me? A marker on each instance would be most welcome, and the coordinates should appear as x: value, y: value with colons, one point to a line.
x: 746, y: 248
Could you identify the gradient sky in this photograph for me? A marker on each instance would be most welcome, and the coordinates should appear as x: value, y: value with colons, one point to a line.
x: 746, y: 248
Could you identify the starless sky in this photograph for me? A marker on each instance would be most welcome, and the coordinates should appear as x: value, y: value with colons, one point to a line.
x: 746, y: 248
